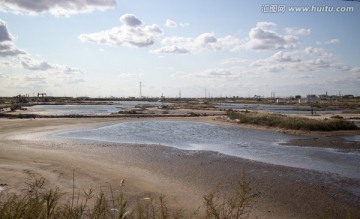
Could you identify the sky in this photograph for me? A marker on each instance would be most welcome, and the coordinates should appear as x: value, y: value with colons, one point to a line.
x: 104, y: 48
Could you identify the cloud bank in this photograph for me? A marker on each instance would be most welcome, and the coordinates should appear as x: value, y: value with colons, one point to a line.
x: 262, y: 37
x: 58, y: 8
x: 9, y: 49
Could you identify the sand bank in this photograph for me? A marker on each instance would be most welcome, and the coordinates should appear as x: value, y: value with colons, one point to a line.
x: 26, y: 150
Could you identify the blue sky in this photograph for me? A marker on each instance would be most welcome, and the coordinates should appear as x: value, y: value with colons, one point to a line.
x: 103, y: 48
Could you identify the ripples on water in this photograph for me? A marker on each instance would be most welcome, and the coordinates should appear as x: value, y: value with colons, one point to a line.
x: 251, y: 144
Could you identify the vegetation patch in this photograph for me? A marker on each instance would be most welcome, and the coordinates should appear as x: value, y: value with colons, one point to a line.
x: 128, y: 112
x: 15, y: 107
x: 38, y: 202
x: 282, y: 121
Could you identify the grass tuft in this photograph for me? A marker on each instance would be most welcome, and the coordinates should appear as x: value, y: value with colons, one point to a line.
x: 237, y: 204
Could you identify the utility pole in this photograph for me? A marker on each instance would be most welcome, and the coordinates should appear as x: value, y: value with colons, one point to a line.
x: 140, y: 90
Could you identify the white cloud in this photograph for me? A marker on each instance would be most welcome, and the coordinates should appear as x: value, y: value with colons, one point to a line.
x: 232, y: 61
x: 205, y: 41
x: 5, y: 64
x: 29, y: 63
x: 130, y: 75
x: 35, y: 78
x: 170, y: 23
x: 261, y: 38
x: 355, y: 70
x: 71, y: 80
x: 317, y: 61
x: 4, y: 76
x: 332, y: 41
x: 306, y: 76
x: 309, y: 60
x: 127, y: 75
x: 215, y: 76
x: 317, y: 51
x: 58, y: 8
x: 172, y: 49
x: 4, y: 33
x: 283, y: 71
x: 130, y: 33
x: 9, y: 49
x: 215, y: 73
x: 296, y: 31
x: 184, y: 24
x: 42, y: 69
x: 130, y: 20
x: 69, y: 70
x: 265, y: 25
x: 7, y: 46
x: 284, y: 57
x: 39, y: 81
x: 36, y: 66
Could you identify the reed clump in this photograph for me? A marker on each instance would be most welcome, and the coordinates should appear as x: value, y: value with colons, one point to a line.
x: 37, y: 202
x: 237, y: 204
x: 295, y: 123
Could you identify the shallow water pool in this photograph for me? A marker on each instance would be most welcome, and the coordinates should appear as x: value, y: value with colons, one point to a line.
x: 251, y: 144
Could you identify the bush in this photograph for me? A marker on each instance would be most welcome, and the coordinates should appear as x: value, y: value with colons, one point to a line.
x: 15, y: 107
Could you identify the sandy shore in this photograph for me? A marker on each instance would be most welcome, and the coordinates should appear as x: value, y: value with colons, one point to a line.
x: 26, y: 151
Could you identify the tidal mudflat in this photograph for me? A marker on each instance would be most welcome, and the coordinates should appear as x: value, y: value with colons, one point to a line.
x: 258, y: 145
x: 182, y: 168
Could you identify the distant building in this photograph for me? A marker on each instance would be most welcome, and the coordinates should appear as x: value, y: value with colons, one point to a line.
x: 258, y: 97
x: 323, y: 96
x: 278, y: 100
x: 348, y: 96
x: 311, y: 98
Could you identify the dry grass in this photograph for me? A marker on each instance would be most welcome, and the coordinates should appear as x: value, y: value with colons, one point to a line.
x: 37, y: 202
x: 236, y: 204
